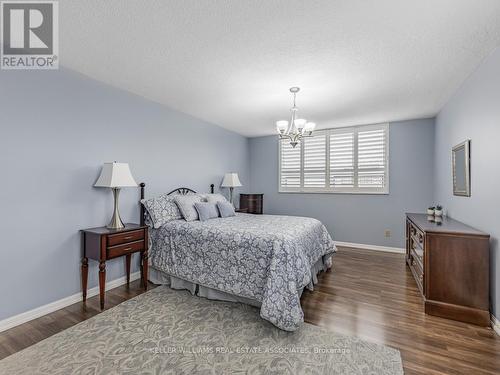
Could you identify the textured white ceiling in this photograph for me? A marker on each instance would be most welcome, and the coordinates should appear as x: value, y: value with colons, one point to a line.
x: 231, y: 62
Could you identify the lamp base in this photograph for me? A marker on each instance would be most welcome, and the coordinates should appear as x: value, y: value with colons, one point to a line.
x: 116, y: 222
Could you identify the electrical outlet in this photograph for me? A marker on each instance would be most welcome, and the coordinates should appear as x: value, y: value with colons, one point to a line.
x: 387, y: 233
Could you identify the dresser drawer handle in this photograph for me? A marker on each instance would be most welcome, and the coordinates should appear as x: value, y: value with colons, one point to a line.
x: 128, y: 237
x: 127, y: 249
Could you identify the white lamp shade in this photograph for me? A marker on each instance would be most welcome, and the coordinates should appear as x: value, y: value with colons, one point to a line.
x: 300, y: 122
x: 231, y: 180
x: 281, y: 125
x: 310, y: 126
x: 115, y: 175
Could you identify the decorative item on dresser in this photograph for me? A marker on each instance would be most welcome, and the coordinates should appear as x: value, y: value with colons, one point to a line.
x: 252, y: 202
x: 102, y: 244
x: 450, y: 263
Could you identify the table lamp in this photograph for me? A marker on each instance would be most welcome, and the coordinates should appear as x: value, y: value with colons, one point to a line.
x: 231, y: 181
x: 115, y: 176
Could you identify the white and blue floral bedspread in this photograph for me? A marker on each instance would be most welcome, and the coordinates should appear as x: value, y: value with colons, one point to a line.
x: 267, y: 258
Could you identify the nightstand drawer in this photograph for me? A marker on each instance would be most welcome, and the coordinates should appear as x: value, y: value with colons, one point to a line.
x: 118, y: 239
x: 119, y: 250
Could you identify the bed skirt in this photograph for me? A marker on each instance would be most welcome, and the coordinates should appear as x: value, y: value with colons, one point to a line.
x: 161, y: 278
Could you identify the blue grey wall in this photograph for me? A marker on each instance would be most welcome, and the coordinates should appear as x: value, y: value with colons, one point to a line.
x: 57, y: 128
x: 357, y: 218
x: 474, y: 113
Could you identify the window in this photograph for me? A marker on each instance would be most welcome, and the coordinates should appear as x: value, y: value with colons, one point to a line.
x: 341, y: 160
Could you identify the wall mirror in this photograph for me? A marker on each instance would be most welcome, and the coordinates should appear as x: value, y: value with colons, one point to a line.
x: 461, y: 169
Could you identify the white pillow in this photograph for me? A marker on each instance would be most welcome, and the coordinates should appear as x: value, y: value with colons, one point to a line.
x: 226, y: 209
x: 206, y: 210
x: 186, y: 206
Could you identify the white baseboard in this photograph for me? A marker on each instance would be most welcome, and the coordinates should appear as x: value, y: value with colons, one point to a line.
x: 387, y: 249
x: 56, y: 305
x: 495, y: 324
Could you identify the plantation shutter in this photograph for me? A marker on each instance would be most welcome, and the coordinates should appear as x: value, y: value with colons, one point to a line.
x: 372, y: 158
x: 340, y: 160
x: 290, y: 165
x: 342, y: 172
x: 315, y: 161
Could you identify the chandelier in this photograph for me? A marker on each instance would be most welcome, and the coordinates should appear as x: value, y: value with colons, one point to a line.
x: 298, y: 128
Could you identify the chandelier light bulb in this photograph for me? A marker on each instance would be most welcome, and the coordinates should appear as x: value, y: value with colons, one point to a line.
x: 310, y: 126
x: 281, y: 126
x: 300, y: 123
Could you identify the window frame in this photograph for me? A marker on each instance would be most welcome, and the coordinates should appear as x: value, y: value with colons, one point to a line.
x: 339, y: 190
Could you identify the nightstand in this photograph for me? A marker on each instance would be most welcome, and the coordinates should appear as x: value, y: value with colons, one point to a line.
x: 242, y: 210
x: 253, y: 202
x: 102, y: 244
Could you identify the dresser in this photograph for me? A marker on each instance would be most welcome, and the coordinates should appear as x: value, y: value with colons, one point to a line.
x: 450, y: 263
x: 252, y: 202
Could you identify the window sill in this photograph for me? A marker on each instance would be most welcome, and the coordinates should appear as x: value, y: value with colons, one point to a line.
x: 334, y: 192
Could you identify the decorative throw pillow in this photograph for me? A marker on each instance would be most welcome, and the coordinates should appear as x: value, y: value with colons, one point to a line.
x: 161, y: 209
x: 206, y: 210
x: 214, y: 198
x: 226, y: 209
x: 186, y: 205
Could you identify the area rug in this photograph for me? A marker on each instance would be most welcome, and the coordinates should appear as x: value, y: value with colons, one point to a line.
x: 165, y: 331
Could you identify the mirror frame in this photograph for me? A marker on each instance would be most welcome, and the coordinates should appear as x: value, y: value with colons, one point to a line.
x: 466, y: 146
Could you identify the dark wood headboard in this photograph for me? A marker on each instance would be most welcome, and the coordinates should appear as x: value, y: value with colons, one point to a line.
x: 181, y: 191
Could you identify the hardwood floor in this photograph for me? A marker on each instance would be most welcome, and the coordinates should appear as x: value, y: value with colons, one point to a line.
x: 367, y: 294
x: 373, y: 295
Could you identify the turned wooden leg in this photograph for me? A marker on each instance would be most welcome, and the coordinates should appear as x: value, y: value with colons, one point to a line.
x: 127, y: 266
x: 144, y: 256
x: 85, y: 274
x: 102, y: 281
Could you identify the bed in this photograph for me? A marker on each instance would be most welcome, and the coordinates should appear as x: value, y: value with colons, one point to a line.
x: 262, y: 260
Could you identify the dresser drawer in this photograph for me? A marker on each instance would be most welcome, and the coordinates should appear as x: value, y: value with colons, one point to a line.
x: 122, y: 238
x: 119, y: 250
x: 417, y: 272
x: 417, y: 248
x: 417, y: 234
